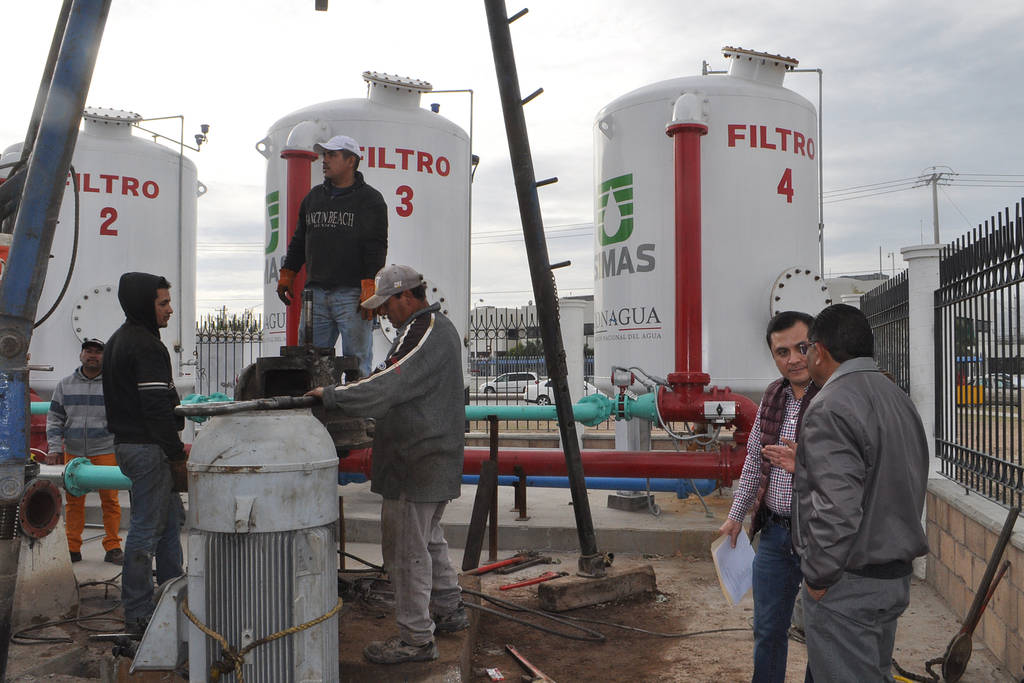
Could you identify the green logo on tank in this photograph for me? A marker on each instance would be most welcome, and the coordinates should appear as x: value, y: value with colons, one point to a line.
x: 273, y: 209
x: 621, y: 190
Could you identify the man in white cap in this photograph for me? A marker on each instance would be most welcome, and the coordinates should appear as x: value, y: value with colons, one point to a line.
x: 416, y: 396
x: 341, y: 236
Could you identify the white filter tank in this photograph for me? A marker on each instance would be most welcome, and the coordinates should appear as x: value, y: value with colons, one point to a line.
x: 137, y: 212
x: 759, y: 192
x: 418, y: 160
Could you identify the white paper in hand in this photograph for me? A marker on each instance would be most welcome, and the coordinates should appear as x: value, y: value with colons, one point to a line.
x: 735, y: 566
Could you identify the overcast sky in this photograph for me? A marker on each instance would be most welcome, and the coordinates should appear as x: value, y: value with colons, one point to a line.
x: 907, y: 85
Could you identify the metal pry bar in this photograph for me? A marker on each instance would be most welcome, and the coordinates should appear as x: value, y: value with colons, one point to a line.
x: 228, y: 407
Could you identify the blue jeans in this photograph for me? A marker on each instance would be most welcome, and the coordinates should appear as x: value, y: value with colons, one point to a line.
x: 156, y: 519
x: 336, y: 311
x: 776, y: 582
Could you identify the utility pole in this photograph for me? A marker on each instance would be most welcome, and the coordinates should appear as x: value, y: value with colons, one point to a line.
x: 933, y: 176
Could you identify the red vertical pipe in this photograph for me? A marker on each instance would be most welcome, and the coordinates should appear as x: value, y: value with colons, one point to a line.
x: 298, y: 184
x: 686, y: 139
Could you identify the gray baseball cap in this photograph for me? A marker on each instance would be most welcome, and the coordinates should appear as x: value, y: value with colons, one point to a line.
x: 391, y: 280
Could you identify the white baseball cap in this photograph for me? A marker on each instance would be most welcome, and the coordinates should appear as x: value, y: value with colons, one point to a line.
x: 336, y: 143
x: 391, y: 280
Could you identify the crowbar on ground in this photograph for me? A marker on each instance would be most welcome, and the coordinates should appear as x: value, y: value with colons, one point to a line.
x: 536, y: 673
x: 546, y: 576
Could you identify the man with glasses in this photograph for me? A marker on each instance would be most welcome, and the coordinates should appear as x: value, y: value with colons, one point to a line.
x: 765, y: 489
x: 858, y: 494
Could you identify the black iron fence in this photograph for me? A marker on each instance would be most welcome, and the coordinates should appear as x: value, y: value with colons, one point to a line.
x: 222, y: 354
x: 979, y: 429
x: 887, y: 308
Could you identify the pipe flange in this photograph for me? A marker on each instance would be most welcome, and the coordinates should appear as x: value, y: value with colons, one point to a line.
x: 39, y: 508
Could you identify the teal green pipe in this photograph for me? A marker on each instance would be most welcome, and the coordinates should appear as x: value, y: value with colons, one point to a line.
x: 644, y: 407
x: 591, y: 410
x: 40, y: 407
x: 81, y: 477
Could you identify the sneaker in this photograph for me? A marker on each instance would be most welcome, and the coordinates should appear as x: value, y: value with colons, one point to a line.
x: 114, y: 556
x: 454, y: 621
x: 76, y: 556
x: 396, y: 651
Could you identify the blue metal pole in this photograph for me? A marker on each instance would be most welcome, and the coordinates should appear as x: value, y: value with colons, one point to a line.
x: 26, y: 270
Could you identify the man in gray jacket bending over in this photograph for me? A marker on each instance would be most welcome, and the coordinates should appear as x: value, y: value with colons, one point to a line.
x: 416, y: 396
x: 858, y: 493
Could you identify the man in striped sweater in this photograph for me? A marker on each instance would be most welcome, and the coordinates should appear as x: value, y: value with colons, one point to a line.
x: 76, y: 426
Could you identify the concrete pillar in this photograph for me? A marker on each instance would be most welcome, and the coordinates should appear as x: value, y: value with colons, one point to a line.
x: 923, y: 279
x: 571, y: 320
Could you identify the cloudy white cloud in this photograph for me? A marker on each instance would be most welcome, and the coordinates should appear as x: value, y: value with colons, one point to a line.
x: 906, y: 86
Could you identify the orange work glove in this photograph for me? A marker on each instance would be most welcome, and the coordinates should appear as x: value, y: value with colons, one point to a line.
x: 284, y: 286
x: 368, y: 290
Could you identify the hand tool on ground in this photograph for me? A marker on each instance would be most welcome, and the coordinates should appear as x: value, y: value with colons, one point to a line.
x: 546, y: 576
x: 514, y: 560
x: 536, y: 673
x: 958, y: 652
x: 532, y: 562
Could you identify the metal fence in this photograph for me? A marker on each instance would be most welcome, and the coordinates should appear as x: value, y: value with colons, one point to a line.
x: 979, y: 430
x: 222, y: 354
x: 505, y: 353
x: 887, y: 309
x: 500, y: 341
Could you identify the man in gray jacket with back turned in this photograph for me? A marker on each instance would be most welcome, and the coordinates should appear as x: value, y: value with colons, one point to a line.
x: 416, y: 396
x: 858, y: 494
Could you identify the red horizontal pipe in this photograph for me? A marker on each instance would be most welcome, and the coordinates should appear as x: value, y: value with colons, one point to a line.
x: 723, y: 466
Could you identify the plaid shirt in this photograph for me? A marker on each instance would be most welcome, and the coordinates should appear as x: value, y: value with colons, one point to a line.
x: 779, y: 494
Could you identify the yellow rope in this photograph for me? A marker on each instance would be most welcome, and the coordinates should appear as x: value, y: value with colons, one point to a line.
x: 232, y: 659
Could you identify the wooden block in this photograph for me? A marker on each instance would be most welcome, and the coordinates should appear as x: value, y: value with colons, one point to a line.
x: 571, y: 592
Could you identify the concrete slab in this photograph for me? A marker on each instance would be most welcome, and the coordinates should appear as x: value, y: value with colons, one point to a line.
x: 682, y: 526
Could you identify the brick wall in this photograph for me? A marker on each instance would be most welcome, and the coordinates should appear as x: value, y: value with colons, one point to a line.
x: 962, y: 532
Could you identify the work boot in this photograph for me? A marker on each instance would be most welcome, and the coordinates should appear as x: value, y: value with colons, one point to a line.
x: 396, y: 651
x: 454, y: 621
x: 76, y: 556
x: 114, y: 556
x: 135, y: 628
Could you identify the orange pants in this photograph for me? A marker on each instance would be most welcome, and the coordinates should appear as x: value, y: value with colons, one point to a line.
x: 74, y: 511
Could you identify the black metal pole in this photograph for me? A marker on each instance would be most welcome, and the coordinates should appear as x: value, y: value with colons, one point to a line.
x: 591, y: 563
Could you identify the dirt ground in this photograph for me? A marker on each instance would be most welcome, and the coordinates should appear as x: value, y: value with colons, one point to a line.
x: 688, y: 601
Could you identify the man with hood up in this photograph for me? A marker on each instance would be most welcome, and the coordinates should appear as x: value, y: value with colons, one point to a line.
x: 140, y: 400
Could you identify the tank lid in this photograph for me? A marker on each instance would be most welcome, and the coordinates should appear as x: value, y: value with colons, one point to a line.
x: 115, y: 117
x: 758, y: 66
x: 376, y: 78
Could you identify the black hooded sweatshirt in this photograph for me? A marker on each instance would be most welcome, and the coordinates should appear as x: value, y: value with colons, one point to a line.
x: 138, y: 387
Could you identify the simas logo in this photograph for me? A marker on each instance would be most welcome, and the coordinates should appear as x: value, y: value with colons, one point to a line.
x: 615, y: 213
x: 273, y: 210
x: 270, y: 269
